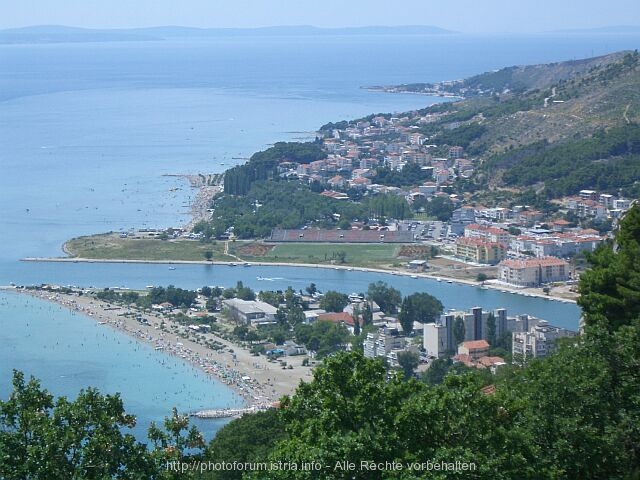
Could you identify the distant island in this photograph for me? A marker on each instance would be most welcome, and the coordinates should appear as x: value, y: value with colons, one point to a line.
x: 64, y: 34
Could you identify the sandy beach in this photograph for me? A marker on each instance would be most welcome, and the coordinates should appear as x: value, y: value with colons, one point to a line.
x: 260, y: 381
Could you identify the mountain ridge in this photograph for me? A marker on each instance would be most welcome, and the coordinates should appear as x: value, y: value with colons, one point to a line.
x: 61, y: 33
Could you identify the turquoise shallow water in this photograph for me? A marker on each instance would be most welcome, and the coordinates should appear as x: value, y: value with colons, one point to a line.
x: 88, y: 130
x: 69, y: 351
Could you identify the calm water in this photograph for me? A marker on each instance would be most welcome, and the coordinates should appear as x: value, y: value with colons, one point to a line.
x: 68, y: 351
x: 87, y: 132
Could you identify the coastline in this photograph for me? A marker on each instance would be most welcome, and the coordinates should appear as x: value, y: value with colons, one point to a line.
x: 492, y: 284
x: 259, y: 382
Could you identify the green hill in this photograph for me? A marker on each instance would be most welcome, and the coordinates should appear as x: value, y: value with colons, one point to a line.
x: 564, y: 126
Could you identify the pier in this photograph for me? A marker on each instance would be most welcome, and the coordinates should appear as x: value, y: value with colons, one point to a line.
x: 228, y: 412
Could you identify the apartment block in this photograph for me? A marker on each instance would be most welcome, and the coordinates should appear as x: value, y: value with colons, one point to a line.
x: 538, y: 342
x: 534, y: 271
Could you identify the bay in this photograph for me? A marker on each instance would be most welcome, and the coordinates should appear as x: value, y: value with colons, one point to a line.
x: 89, y: 131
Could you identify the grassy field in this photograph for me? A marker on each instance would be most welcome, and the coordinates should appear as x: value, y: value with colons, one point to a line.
x: 112, y: 247
x: 361, y: 255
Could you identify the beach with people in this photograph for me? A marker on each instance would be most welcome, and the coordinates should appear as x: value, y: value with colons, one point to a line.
x: 259, y: 380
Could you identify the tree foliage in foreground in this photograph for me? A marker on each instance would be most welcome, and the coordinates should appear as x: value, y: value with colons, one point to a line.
x: 43, y: 438
x: 247, y: 439
x: 610, y: 289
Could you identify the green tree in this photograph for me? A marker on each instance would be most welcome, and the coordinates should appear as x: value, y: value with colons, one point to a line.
x: 419, y: 307
x: 387, y: 298
x: 323, y: 338
x: 341, y: 256
x: 610, y: 289
x: 57, y: 439
x: 295, y: 315
x: 208, y: 255
x: 272, y: 298
x: 408, y: 361
x: 437, y: 370
x: 244, y: 293
x: 440, y: 207
x: 345, y: 413
x: 247, y: 439
x: 311, y: 289
x: 175, y: 441
x: 367, y: 314
x: 491, y: 329
x: 356, y: 326
x: 333, y: 301
x: 458, y: 330
x: 206, y: 291
x: 344, y: 224
x: 241, y: 332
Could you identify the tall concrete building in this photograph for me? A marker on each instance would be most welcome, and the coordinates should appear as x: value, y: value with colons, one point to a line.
x: 538, y: 342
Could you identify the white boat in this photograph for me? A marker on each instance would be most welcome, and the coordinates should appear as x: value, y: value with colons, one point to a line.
x: 172, y: 268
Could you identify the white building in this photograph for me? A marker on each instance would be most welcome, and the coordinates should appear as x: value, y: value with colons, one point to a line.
x: 534, y: 271
x: 382, y: 343
x: 251, y: 312
x: 622, y: 204
x: 490, y: 234
x: 538, y: 342
x: 436, y: 339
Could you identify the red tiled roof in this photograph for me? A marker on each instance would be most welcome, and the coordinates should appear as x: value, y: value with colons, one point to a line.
x: 361, y: 180
x: 488, y: 361
x: 339, y: 317
x: 482, y: 228
x: 463, y: 358
x: 475, y: 344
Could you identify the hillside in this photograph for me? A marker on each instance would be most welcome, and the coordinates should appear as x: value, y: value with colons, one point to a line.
x: 519, y: 119
x: 514, y: 79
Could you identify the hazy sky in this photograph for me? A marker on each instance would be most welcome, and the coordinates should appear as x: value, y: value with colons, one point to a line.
x: 461, y: 15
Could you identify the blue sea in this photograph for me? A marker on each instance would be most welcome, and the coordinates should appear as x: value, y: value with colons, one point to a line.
x: 92, y: 134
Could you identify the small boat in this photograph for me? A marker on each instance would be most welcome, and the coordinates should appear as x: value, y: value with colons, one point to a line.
x: 414, y: 276
x: 172, y: 268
